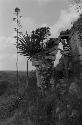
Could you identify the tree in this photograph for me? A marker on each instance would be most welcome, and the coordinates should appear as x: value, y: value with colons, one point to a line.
x: 30, y: 45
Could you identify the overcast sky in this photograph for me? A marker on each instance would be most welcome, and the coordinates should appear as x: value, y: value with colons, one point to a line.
x: 55, y: 13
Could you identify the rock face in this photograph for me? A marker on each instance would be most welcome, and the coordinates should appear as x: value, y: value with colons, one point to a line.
x: 76, y: 44
x: 74, y: 39
x: 77, y: 52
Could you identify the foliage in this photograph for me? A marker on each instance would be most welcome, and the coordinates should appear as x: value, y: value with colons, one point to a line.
x: 47, y: 73
x: 29, y: 45
x: 77, y: 26
x: 75, y: 1
x: 77, y: 4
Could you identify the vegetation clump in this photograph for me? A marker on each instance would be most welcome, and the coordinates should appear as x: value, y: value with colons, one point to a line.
x: 30, y: 45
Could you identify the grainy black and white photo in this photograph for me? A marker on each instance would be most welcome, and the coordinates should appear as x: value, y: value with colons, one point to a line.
x: 40, y: 62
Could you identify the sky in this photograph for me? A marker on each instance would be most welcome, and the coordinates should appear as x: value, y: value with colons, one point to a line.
x: 57, y: 14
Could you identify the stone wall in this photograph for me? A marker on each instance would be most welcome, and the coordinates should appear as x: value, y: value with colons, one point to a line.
x: 44, y: 68
x: 44, y: 72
